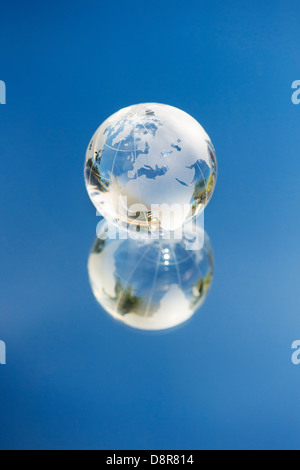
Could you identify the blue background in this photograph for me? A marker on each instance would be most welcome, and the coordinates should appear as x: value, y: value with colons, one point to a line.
x: 75, y: 378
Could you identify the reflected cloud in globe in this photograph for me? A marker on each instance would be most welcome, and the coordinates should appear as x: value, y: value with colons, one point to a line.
x: 149, y: 284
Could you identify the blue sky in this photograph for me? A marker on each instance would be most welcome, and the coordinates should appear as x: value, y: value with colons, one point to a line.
x: 74, y: 378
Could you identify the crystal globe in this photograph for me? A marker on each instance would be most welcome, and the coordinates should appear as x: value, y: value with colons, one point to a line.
x: 150, y: 285
x: 150, y: 167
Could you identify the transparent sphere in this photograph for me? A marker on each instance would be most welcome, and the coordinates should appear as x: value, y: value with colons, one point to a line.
x: 150, y: 167
x: 150, y: 285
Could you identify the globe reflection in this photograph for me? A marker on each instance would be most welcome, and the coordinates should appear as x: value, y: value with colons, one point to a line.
x: 149, y: 284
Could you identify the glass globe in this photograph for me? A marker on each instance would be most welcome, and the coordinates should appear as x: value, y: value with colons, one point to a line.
x: 150, y: 167
x: 150, y: 285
